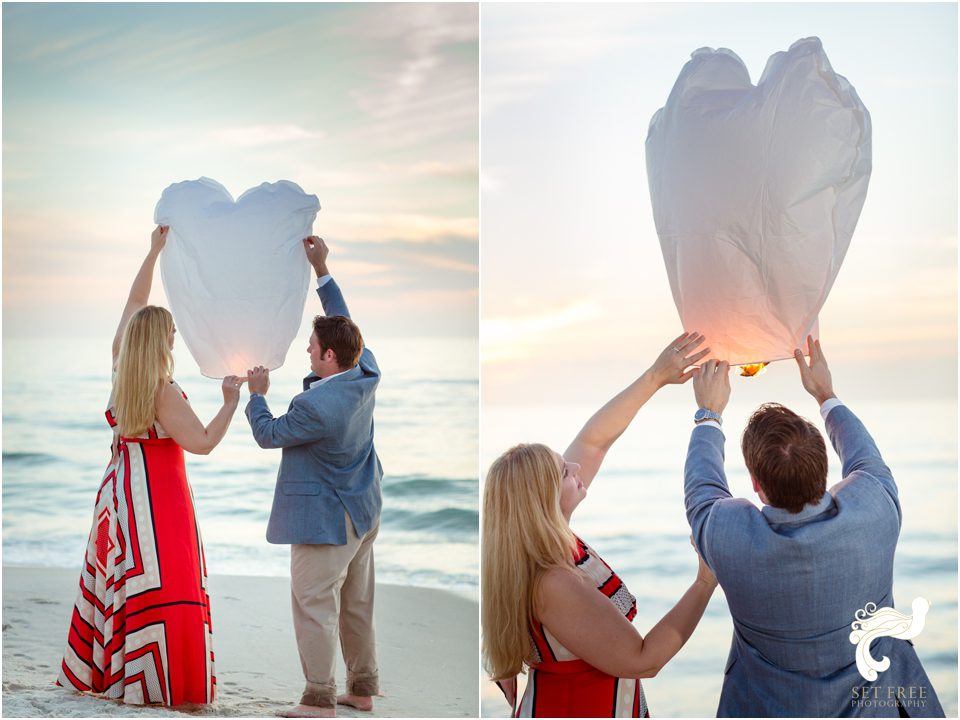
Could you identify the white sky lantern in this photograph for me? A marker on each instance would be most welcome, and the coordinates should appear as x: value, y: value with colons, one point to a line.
x: 756, y: 191
x: 235, y: 273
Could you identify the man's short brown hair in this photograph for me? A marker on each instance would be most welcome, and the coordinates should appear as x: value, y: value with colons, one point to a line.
x: 340, y: 334
x: 787, y: 457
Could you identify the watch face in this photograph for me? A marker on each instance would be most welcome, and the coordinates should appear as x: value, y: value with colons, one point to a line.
x: 704, y: 414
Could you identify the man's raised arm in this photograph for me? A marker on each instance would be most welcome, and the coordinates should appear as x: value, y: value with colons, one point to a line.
x: 328, y: 290
x: 704, y: 481
x: 857, y: 450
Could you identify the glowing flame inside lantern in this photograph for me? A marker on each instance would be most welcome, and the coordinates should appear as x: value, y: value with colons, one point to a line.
x: 752, y: 369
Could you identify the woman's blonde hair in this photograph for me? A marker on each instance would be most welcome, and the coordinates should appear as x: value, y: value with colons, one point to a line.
x: 144, y: 365
x: 524, y: 534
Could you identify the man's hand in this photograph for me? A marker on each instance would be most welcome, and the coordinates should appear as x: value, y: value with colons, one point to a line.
x: 816, y: 377
x: 678, y: 356
x: 711, y: 385
x: 258, y: 380
x: 317, y: 251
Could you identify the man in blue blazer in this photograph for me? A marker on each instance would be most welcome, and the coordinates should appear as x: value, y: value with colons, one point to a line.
x: 326, y: 504
x: 796, y: 573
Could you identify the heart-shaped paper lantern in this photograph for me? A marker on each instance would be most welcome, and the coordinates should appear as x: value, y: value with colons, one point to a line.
x: 756, y: 192
x: 235, y: 273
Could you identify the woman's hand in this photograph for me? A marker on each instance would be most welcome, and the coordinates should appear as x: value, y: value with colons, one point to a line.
x: 704, y: 574
x: 591, y: 444
x: 231, y: 389
x: 669, y: 367
x: 158, y: 238
x: 140, y: 290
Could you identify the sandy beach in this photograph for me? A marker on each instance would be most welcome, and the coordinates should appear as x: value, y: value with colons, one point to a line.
x: 427, y: 641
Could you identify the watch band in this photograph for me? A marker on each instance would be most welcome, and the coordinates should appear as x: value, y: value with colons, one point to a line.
x: 704, y: 414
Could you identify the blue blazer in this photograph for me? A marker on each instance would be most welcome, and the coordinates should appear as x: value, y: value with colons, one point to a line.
x: 329, y: 464
x: 794, y: 581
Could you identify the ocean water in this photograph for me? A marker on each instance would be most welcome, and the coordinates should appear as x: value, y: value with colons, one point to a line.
x: 56, y: 445
x: 634, y: 517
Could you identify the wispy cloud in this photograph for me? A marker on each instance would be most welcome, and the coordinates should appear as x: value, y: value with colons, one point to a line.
x: 445, y: 263
x: 253, y: 135
x: 414, y: 228
x: 362, y: 269
x: 193, y: 138
x: 522, y: 337
x: 431, y: 90
x: 360, y: 175
x: 372, y: 107
x: 527, y: 47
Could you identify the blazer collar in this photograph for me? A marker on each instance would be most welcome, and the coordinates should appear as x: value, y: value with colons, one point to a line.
x: 346, y: 374
x: 809, y: 511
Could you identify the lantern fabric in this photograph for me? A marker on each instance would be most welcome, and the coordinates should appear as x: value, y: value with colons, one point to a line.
x: 235, y: 273
x: 756, y: 191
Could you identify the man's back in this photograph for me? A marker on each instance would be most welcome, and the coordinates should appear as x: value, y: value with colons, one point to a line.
x: 329, y: 464
x: 794, y: 582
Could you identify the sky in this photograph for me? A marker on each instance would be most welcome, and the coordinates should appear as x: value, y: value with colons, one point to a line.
x: 373, y: 108
x: 575, y: 300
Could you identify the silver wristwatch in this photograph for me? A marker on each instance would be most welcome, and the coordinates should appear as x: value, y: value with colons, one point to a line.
x: 705, y: 414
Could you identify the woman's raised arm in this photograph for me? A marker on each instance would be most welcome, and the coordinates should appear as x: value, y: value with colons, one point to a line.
x: 592, y: 443
x: 182, y: 424
x: 140, y: 290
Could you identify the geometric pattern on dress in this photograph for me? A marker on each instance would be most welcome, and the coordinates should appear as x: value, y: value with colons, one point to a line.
x: 606, y: 580
x: 146, y: 674
x: 525, y: 708
x: 630, y: 700
x: 211, y: 670
x: 560, y: 653
x: 626, y: 697
x: 115, y: 644
x: 534, y: 650
x: 137, y: 524
x: 623, y: 698
x: 623, y: 600
x: 642, y: 710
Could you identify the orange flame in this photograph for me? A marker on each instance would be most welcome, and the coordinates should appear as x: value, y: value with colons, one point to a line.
x: 752, y: 369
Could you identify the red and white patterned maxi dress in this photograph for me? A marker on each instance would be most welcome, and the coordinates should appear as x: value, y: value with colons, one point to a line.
x: 562, y: 685
x: 140, y: 630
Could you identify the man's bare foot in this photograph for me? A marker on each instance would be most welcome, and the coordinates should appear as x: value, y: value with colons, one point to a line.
x: 307, y: 711
x: 360, y: 702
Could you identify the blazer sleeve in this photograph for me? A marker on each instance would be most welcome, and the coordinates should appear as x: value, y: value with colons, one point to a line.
x: 301, y: 424
x: 333, y: 304
x: 858, y: 451
x: 332, y: 299
x: 704, y: 483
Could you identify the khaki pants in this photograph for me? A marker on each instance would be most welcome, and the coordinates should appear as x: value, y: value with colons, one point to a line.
x: 332, y: 591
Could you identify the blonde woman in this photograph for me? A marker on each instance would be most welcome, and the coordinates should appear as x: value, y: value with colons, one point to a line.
x: 550, y: 603
x: 140, y: 630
